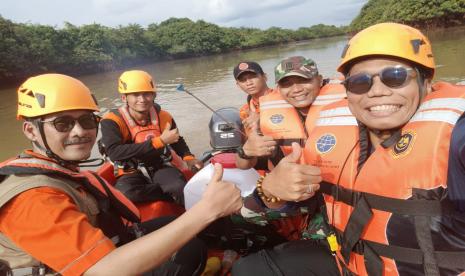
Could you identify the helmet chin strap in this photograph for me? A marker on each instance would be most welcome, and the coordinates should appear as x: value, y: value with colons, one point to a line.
x: 421, y: 84
x: 61, y: 161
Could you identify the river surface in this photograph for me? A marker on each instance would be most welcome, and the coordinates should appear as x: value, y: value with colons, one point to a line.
x: 210, y: 78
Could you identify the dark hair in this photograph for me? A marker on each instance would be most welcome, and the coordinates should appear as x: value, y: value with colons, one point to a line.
x: 33, y: 120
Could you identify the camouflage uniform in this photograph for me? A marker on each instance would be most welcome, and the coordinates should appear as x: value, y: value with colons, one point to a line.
x: 312, y: 211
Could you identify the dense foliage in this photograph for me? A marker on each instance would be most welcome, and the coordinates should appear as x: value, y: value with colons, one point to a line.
x: 28, y: 49
x: 419, y: 13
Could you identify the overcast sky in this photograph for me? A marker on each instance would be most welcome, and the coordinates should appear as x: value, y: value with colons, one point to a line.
x: 234, y: 13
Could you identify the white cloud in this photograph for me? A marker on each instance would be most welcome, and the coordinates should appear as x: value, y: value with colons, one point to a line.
x: 230, y: 10
x: 119, y: 7
x: 259, y: 14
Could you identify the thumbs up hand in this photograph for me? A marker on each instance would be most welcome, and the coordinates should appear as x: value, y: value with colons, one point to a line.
x: 258, y: 145
x: 169, y: 136
x: 292, y: 181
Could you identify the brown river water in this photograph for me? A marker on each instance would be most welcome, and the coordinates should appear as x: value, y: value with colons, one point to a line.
x: 210, y: 78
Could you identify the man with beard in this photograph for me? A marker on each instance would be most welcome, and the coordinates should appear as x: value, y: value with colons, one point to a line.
x: 58, y: 219
x: 141, y: 135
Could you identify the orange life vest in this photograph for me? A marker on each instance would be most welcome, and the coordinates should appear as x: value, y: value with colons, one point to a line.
x: 109, y: 197
x: 392, y: 214
x: 282, y: 121
x: 329, y: 93
x: 140, y: 134
x: 252, y: 105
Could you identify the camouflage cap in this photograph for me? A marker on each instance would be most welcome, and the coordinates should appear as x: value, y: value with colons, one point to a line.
x: 295, y: 66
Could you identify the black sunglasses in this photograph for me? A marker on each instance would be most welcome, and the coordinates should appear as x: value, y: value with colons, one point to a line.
x: 66, y: 123
x: 392, y: 77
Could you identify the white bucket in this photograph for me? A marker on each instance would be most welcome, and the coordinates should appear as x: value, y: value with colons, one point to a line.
x: 245, y: 180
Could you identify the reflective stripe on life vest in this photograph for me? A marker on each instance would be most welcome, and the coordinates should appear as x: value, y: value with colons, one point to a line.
x: 279, y: 119
x: 140, y: 134
x: 396, y: 207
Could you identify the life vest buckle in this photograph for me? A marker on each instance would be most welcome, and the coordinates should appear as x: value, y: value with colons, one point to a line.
x: 333, y: 243
x: 137, y: 230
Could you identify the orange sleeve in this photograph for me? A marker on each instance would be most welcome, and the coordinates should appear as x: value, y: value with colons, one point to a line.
x: 47, y: 224
x: 165, y: 118
x: 188, y: 157
x: 121, y: 124
x: 244, y: 112
x: 157, y: 143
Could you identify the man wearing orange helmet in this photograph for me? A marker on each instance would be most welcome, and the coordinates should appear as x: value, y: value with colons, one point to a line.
x: 56, y: 218
x: 140, y: 132
x: 383, y: 156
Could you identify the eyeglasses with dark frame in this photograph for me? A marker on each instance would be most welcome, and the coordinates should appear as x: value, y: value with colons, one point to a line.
x: 393, y: 77
x: 66, y: 123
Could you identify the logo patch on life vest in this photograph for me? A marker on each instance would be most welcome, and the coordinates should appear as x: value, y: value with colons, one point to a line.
x: 325, y: 143
x: 276, y: 118
x: 404, y: 145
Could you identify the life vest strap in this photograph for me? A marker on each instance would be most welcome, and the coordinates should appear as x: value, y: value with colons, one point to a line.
x: 425, y: 241
x: 426, y: 256
x: 355, y: 226
x: 411, y: 207
x: 445, y: 259
x: 421, y: 210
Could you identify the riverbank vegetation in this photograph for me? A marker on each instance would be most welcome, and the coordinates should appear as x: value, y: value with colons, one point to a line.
x: 423, y: 14
x: 29, y: 49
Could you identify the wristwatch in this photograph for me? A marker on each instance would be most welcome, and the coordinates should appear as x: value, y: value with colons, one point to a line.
x: 241, y: 153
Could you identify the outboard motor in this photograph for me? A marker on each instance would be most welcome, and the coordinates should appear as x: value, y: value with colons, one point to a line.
x: 226, y: 135
x: 226, y: 130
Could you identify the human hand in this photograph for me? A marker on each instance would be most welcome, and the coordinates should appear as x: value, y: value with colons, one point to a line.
x: 223, y: 198
x: 169, y: 136
x: 292, y: 181
x: 258, y: 145
x: 253, y: 118
x: 194, y: 164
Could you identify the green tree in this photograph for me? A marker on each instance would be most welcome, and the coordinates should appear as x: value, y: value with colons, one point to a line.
x: 420, y: 13
x: 28, y: 49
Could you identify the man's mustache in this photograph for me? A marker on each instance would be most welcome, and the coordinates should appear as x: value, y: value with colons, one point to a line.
x: 77, y: 141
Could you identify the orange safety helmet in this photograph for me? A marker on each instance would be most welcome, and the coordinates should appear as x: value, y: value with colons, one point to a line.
x: 389, y: 39
x: 50, y: 93
x: 135, y: 81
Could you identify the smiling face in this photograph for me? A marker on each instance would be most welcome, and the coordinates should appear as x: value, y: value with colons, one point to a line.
x: 73, y: 145
x: 140, y: 102
x: 253, y: 84
x: 300, y: 92
x: 382, y: 107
